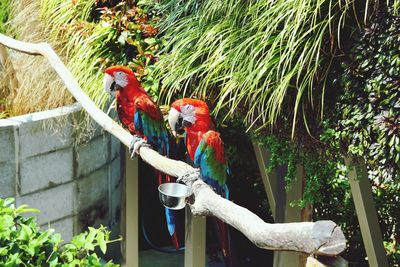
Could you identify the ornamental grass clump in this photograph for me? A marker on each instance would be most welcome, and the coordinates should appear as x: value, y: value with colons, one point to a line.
x: 263, y: 58
x: 39, y: 87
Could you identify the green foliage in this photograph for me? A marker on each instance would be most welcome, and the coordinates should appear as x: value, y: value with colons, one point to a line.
x: 320, y: 164
x: 97, y: 34
x: 23, y: 244
x: 4, y: 13
x: 366, y: 123
x: 387, y: 201
x: 369, y: 109
x: 253, y: 57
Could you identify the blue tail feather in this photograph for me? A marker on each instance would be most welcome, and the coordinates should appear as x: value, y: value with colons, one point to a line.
x: 226, y: 189
x: 170, y: 221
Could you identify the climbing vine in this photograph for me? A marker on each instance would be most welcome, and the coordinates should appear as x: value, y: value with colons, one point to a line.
x: 369, y: 109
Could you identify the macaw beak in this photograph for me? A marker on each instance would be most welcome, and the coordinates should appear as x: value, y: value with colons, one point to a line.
x: 180, y: 126
x: 109, y: 83
x: 175, y: 121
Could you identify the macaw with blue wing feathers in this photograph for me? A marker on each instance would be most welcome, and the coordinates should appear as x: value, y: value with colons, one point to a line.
x: 141, y: 116
x: 206, y: 150
x: 210, y: 157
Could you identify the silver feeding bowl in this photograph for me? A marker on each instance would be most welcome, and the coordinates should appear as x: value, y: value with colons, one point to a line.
x: 173, y: 195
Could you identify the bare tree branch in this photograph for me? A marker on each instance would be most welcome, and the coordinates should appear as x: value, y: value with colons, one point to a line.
x: 320, y: 238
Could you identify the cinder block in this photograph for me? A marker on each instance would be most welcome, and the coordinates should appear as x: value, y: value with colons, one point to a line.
x: 7, y: 144
x: 7, y: 179
x: 92, y: 155
x: 65, y: 227
x: 115, y: 147
x: 54, y: 203
x: 46, y: 170
x: 37, y: 137
x: 92, y: 189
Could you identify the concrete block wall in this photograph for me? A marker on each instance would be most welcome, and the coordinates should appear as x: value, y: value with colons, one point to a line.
x: 75, y: 185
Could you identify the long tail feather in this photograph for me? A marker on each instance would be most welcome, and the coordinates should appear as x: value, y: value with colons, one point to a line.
x: 224, y: 241
x: 170, y: 217
x: 175, y: 241
x: 170, y: 221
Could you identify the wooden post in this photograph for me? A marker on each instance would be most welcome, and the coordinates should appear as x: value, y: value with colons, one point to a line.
x: 366, y: 212
x: 293, y: 214
x: 195, y: 240
x: 130, y: 216
x: 270, y: 180
x: 279, y: 200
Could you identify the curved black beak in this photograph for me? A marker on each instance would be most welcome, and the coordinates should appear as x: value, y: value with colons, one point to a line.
x: 179, y: 128
x: 113, y: 86
x: 181, y: 124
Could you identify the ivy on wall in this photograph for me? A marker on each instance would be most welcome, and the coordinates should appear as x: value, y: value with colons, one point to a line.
x: 369, y: 109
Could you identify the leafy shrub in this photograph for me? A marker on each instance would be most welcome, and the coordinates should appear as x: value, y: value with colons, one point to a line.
x: 369, y: 109
x: 23, y: 244
x: 98, y: 34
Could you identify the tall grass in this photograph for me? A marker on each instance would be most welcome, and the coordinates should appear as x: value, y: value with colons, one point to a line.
x: 39, y: 87
x: 84, y: 41
x: 256, y: 57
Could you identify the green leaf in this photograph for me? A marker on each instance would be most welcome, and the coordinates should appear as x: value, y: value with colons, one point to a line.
x: 3, y: 251
x: 6, y: 221
x: 150, y: 41
x: 101, y: 242
x: 25, y: 233
x: 44, y: 236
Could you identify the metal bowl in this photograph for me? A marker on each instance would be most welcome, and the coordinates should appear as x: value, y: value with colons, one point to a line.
x: 173, y: 195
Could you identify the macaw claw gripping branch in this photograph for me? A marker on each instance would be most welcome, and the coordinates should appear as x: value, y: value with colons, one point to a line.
x: 319, y: 238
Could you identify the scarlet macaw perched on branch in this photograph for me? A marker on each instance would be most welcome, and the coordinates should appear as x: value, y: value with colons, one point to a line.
x: 141, y: 116
x: 206, y: 150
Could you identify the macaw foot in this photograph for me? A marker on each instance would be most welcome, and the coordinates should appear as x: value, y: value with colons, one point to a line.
x: 189, y: 177
x: 136, y: 143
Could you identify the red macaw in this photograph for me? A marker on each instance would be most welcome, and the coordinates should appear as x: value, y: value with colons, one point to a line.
x: 206, y: 150
x: 193, y: 116
x: 141, y: 116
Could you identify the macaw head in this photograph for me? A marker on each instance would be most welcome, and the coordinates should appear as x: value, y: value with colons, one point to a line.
x: 118, y: 77
x: 188, y: 114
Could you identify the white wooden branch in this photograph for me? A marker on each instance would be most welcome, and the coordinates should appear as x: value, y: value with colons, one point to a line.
x: 320, y: 238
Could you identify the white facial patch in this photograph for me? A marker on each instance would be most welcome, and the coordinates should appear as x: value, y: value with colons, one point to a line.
x: 173, y: 117
x: 107, y: 82
x: 121, y: 79
x: 187, y: 112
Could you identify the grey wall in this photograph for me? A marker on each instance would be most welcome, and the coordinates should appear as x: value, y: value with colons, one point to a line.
x: 75, y: 185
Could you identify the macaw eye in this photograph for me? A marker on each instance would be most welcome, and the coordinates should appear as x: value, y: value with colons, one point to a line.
x: 187, y: 107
